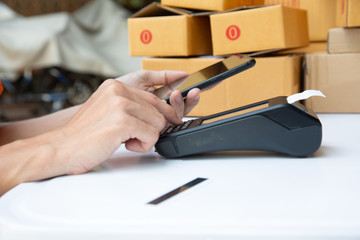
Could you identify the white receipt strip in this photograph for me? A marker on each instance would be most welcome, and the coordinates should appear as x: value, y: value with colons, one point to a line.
x: 304, y: 95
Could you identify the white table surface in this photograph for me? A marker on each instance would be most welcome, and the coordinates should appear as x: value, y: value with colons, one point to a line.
x: 248, y: 195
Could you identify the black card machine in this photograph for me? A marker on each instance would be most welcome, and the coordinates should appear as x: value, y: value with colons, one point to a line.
x: 271, y: 125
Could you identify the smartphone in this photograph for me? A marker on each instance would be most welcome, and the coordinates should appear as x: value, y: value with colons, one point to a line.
x: 208, y: 76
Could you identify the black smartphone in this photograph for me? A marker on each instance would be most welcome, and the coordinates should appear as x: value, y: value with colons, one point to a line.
x: 207, y: 76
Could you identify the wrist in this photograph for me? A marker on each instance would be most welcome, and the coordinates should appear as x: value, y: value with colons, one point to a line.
x: 27, y: 160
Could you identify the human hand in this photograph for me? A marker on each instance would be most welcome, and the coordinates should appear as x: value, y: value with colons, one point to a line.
x: 148, y: 80
x: 116, y: 113
x: 134, y: 114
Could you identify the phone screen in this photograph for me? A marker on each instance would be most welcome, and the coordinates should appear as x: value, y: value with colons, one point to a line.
x: 198, y: 77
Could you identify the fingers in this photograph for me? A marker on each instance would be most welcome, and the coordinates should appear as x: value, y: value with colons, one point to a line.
x: 136, y: 113
x: 165, y: 109
x: 141, y: 136
x: 143, y: 105
x: 150, y: 101
x: 136, y: 145
x: 118, y: 113
x: 156, y: 78
x: 183, y: 107
x: 150, y: 114
x: 192, y: 99
x: 147, y: 80
x: 145, y: 113
x: 177, y: 102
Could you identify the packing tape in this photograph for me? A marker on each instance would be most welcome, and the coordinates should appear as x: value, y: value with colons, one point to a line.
x: 304, y: 95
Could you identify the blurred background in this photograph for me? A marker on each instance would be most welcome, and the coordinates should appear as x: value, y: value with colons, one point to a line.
x: 36, y: 7
x: 55, y: 53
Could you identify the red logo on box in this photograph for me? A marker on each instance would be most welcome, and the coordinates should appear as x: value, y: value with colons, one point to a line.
x: 145, y: 36
x: 233, y: 32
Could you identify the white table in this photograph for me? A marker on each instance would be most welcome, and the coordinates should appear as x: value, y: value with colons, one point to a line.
x: 248, y: 195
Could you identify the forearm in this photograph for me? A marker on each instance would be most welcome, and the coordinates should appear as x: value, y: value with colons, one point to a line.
x: 27, y: 160
x: 13, y: 131
x: 27, y: 150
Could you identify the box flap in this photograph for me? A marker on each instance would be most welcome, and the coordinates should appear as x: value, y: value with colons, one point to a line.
x: 152, y: 9
x: 244, y: 8
x: 156, y: 9
x: 186, y: 11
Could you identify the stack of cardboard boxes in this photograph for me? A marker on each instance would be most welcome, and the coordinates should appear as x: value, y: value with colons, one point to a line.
x: 337, y: 72
x: 189, y: 35
x: 321, y: 18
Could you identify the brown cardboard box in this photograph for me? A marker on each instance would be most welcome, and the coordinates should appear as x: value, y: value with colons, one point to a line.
x: 338, y: 77
x: 343, y: 40
x: 347, y: 13
x: 321, y: 15
x: 270, y: 77
x: 164, y: 31
x: 213, y: 5
x: 258, y: 29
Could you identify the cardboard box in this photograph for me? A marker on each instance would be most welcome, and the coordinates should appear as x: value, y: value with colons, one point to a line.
x: 164, y: 31
x: 311, y: 48
x: 213, y: 5
x: 347, y: 13
x: 338, y: 77
x: 258, y: 29
x: 270, y: 77
x: 343, y: 40
x: 321, y: 15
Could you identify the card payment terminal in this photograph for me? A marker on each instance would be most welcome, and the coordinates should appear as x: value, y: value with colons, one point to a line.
x: 271, y: 125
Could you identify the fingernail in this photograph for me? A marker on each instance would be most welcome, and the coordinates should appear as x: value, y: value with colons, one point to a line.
x: 178, y: 99
x: 197, y: 97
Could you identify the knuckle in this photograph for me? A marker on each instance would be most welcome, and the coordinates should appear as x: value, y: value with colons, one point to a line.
x: 119, y: 87
x: 114, y: 86
x: 158, y: 122
x: 109, y: 82
x: 121, y: 103
x: 164, y: 75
